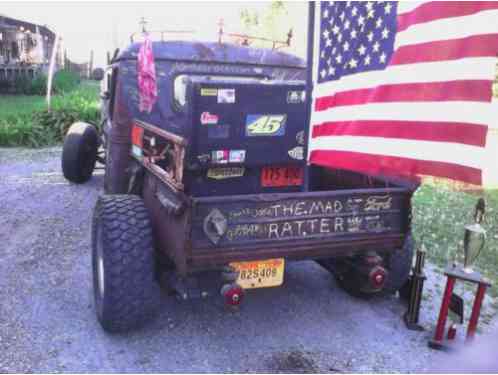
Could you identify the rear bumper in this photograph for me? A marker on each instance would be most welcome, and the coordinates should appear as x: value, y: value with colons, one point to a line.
x: 301, y: 251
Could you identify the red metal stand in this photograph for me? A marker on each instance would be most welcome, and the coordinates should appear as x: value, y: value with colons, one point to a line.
x: 476, y: 309
x: 452, y: 274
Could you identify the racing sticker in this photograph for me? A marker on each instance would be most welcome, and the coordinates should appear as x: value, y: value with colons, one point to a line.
x: 237, y: 156
x: 265, y: 125
x: 209, y: 118
x: 226, y: 96
x: 297, y: 153
x: 219, y: 156
x: 296, y: 97
x: 223, y: 173
x: 218, y: 131
x: 209, y: 92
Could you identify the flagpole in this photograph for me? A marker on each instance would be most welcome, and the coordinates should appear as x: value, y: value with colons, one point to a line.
x: 309, y: 88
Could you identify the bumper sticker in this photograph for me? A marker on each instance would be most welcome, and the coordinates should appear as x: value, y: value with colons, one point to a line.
x: 265, y: 125
x: 297, y: 153
x: 208, y: 118
x: 222, y: 173
x: 226, y: 96
x: 237, y: 156
x: 296, y: 97
x: 209, y: 92
x: 220, y: 156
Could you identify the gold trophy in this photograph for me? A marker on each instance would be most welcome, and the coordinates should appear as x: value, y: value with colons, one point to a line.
x: 475, y: 237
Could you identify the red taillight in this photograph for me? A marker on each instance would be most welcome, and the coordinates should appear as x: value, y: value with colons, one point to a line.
x: 233, y: 294
x: 377, y: 277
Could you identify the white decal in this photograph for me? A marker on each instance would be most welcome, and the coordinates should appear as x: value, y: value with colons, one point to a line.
x: 237, y: 156
x: 226, y: 96
x: 297, y: 153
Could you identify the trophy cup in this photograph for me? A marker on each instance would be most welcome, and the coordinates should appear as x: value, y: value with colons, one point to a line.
x: 475, y: 238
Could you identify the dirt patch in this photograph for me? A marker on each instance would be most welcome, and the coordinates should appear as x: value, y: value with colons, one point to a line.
x: 292, y: 362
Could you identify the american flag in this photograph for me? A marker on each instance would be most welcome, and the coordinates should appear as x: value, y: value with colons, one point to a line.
x: 403, y: 88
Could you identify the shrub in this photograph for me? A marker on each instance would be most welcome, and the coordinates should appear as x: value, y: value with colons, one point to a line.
x: 39, y: 85
x: 36, y: 127
x: 65, y: 81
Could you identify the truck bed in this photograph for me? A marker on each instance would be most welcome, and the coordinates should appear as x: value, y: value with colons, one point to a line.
x: 297, y: 225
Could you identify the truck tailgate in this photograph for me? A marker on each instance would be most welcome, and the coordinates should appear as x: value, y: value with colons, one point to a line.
x: 340, y: 218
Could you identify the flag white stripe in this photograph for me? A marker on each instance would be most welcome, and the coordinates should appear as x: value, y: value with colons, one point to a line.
x: 457, y: 111
x: 454, y: 153
x: 408, y: 6
x: 449, y: 28
x: 477, y: 68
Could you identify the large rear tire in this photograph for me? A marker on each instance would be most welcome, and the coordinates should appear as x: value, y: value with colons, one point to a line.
x: 123, y: 259
x: 79, y: 153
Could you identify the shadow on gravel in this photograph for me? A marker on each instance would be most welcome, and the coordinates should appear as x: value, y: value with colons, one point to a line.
x: 292, y: 362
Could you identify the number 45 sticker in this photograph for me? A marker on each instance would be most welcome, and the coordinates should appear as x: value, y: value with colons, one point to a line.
x: 265, y: 125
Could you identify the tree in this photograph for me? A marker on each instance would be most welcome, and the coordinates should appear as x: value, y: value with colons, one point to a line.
x: 272, y: 22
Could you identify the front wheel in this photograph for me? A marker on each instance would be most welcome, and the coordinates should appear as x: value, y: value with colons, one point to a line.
x: 125, y: 290
x: 79, y: 153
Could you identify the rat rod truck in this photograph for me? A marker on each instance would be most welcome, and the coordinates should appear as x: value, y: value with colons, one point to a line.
x: 214, y: 181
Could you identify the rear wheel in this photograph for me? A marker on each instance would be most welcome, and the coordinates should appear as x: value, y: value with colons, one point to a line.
x: 352, y: 274
x: 125, y: 290
x: 79, y: 152
x: 398, y: 264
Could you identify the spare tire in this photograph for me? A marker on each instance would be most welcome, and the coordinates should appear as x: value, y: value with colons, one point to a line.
x: 79, y: 153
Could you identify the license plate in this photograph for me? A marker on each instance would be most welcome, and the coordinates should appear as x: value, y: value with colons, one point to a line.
x: 260, y: 273
x: 281, y: 176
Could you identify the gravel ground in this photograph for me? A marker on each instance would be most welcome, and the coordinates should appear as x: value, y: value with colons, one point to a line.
x: 47, y: 321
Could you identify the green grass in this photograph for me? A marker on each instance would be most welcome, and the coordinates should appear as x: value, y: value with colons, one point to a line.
x: 439, y: 217
x: 25, y: 121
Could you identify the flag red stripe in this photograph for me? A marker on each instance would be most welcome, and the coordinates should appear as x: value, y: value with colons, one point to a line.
x: 470, y: 134
x: 473, y: 46
x: 439, y: 10
x: 394, y: 166
x: 464, y: 90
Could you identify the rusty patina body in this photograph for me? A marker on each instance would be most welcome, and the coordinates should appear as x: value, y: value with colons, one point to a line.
x: 333, y: 214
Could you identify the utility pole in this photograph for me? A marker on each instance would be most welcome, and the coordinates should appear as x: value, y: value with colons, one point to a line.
x: 90, y: 65
x: 143, y: 23
x: 51, y: 69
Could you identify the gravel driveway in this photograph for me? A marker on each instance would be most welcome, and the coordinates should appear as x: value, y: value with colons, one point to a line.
x: 47, y: 321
